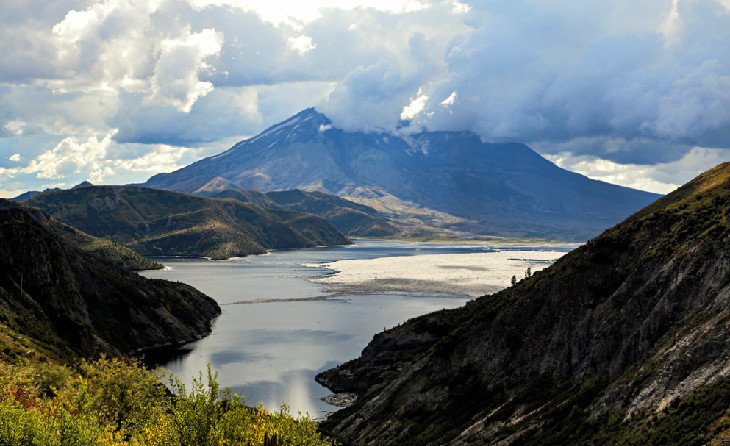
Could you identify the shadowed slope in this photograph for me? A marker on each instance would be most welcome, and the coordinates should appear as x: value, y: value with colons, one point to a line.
x: 632, y: 324
x: 73, y: 301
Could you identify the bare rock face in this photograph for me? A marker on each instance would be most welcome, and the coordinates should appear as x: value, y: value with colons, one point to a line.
x: 616, y: 341
x: 76, y: 301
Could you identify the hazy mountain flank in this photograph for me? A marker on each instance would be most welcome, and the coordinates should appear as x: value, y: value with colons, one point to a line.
x: 436, y: 180
x: 622, y: 341
x: 163, y: 223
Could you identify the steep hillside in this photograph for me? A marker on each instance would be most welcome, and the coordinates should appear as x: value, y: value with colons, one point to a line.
x: 69, y: 300
x: 622, y: 341
x: 350, y: 218
x: 450, y: 180
x: 163, y: 223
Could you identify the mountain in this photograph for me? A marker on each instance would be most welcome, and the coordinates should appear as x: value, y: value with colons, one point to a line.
x: 348, y: 217
x: 446, y: 180
x: 66, y: 300
x: 622, y: 341
x: 164, y: 223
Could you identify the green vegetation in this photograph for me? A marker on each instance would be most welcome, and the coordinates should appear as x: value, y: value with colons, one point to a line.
x: 119, y: 402
x: 109, y: 251
x: 702, y: 417
x: 163, y: 223
x: 350, y: 218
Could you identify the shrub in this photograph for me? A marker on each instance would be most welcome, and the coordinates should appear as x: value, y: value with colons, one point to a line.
x: 119, y: 402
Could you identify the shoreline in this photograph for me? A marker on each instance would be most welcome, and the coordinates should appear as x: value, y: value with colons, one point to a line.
x: 468, y: 274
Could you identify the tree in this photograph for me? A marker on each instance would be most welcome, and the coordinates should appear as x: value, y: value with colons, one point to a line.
x: 514, y: 280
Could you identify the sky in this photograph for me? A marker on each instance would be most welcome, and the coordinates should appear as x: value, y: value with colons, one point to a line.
x: 633, y: 92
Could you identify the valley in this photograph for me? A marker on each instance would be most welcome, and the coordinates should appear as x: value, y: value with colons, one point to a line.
x: 280, y: 326
x: 364, y: 223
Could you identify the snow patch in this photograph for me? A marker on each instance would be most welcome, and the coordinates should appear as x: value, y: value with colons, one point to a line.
x: 288, y: 123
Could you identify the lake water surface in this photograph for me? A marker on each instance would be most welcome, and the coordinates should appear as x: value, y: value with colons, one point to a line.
x: 278, y: 330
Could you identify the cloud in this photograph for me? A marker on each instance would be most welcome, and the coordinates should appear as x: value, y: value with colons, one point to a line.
x: 5, y: 193
x: 162, y: 159
x: 414, y: 107
x: 73, y: 156
x: 70, y: 156
x: 637, y: 83
x: 660, y: 178
x: 296, y: 14
x: 301, y: 44
x: 175, y: 80
x: 640, y: 84
x: 449, y: 100
x: 99, y: 160
x: 557, y: 72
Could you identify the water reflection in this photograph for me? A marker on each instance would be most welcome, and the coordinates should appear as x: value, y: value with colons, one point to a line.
x: 270, y: 352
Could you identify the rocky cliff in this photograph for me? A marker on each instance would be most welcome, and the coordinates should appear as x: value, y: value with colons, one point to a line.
x: 622, y: 341
x: 70, y: 300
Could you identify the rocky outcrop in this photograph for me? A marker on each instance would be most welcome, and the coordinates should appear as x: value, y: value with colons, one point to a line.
x: 630, y: 325
x: 74, y: 301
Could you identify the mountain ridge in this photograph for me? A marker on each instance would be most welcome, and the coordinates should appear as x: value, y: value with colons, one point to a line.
x: 625, y: 332
x: 482, y: 188
x: 163, y: 223
x: 348, y: 217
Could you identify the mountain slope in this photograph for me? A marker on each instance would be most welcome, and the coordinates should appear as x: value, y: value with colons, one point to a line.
x: 622, y: 341
x: 72, y: 301
x: 451, y: 179
x: 350, y: 218
x: 163, y: 223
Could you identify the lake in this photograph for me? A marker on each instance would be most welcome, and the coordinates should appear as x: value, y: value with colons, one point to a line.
x: 279, y: 328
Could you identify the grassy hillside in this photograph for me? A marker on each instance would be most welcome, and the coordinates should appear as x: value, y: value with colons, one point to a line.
x: 350, y: 218
x: 622, y: 341
x: 162, y: 223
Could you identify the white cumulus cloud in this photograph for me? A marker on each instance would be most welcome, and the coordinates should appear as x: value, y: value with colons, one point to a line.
x: 301, y: 44
x: 413, y: 108
x: 70, y: 156
x: 176, y: 79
